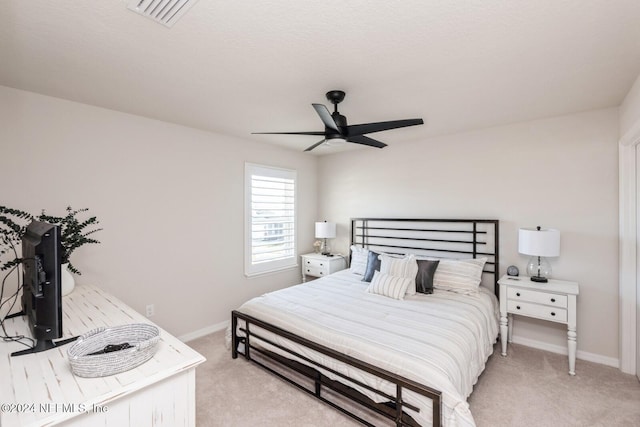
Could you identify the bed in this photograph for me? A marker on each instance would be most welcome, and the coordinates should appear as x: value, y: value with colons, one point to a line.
x: 405, y: 359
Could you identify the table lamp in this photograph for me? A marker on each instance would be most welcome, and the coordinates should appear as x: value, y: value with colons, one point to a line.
x: 325, y: 230
x: 539, y: 243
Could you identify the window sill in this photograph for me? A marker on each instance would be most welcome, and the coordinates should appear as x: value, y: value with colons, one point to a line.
x: 270, y: 272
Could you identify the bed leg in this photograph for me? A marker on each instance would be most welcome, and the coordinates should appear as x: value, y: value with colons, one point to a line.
x: 247, y: 344
x: 398, y: 405
x: 437, y: 410
x: 234, y: 337
x: 318, y: 384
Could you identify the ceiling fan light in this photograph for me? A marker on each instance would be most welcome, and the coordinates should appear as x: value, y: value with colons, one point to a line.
x: 335, y: 142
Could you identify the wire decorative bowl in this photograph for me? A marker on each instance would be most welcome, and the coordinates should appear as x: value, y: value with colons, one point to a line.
x: 108, y: 351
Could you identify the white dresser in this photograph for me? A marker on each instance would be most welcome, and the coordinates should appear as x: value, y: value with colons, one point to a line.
x: 554, y: 301
x: 40, y: 389
x: 318, y: 265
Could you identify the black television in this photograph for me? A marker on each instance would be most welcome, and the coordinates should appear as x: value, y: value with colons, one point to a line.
x: 41, y: 290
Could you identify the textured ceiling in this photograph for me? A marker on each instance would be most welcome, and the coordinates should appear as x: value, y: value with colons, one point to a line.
x: 236, y: 67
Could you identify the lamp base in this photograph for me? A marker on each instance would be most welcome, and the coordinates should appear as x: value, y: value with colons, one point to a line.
x: 324, y: 248
x: 539, y: 279
x: 538, y: 269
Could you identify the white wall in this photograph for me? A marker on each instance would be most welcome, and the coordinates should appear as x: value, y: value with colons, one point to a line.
x: 630, y: 111
x: 560, y: 172
x: 170, y: 200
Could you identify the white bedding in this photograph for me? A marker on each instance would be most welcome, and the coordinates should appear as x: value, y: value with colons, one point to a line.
x: 440, y: 340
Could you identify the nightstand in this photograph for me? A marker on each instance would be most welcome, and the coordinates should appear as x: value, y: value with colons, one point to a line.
x: 318, y: 265
x: 554, y: 301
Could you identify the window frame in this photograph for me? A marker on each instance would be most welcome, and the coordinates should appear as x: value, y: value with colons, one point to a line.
x: 252, y: 269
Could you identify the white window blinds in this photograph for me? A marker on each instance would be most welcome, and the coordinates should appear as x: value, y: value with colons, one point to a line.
x: 270, y: 214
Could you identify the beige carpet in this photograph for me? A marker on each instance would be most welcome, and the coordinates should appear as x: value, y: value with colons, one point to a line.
x: 528, y: 388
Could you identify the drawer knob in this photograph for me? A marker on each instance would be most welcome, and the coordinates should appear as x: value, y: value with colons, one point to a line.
x: 553, y: 300
x: 518, y: 294
x: 518, y: 307
x: 321, y: 264
x: 552, y: 313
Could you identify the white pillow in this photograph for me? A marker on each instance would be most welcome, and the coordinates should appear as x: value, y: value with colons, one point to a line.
x: 389, y: 286
x: 358, y: 260
x: 461, y: 275
x: 406, y: 267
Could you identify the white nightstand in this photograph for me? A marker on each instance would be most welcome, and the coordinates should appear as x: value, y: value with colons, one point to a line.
x: 554, y: 301
x: 317, y: 265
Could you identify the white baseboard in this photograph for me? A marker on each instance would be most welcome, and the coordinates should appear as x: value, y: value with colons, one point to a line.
x: 204, y: 331
x: 583, y: 355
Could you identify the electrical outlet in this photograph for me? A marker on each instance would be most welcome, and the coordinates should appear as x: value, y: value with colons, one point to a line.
x: 151, y: 310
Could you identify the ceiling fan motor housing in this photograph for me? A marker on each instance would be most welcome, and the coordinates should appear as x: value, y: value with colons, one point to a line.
x: 341, y: 121
x: 336, y: 97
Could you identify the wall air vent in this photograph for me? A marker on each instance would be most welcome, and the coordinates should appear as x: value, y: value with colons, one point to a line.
x: 166, y: 12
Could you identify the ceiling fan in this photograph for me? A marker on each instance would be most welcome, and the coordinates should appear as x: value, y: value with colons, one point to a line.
x: 336, y: 128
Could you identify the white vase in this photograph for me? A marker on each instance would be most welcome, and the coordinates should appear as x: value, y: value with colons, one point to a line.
x: 68, y: 282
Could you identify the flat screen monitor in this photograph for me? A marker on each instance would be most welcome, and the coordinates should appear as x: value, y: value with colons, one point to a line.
x: 41, y: 291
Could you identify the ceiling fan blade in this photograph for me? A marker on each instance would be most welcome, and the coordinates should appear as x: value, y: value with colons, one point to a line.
x: 380, y: 126
x: 288, y: 133
x: 365, y: 140
x: 326, y: 118
x: 315, y: 145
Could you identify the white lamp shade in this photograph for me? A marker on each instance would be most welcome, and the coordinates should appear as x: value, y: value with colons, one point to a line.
x: 543, y: 242
x: 325, y: 230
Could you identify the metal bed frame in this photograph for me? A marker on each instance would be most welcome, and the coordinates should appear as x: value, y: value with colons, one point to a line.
x: 439, y: 238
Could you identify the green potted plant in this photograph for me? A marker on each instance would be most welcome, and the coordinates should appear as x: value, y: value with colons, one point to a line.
x: 13, y: 224
x: 74, y: 232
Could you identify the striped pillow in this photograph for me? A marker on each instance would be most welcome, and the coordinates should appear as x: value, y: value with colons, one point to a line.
x: 462, y: 275
x: 358, y: 260
x: 406, y: 267
x: 389, y: 286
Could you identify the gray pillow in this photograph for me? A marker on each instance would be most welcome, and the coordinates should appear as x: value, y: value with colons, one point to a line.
x: 373, y: 265
x: 424, y: 278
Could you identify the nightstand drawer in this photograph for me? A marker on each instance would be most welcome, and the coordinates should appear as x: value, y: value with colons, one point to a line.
x: 536, y: 310
x: 316, y: 264
x: 314, y: 271
x: 537, y: 297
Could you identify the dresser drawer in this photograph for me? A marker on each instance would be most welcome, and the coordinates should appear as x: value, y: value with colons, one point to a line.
x: 538, y: 297
x: 536, y: 310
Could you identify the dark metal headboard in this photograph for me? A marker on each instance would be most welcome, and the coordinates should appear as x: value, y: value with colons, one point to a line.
x: 438, y: 238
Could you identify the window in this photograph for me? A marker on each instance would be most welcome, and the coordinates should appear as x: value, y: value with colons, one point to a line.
x: 270, y: 219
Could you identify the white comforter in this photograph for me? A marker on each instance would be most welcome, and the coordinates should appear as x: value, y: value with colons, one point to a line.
x: 441, y: 340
